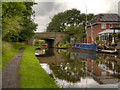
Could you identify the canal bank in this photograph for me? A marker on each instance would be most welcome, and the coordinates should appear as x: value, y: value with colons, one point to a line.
x: 32, y: 75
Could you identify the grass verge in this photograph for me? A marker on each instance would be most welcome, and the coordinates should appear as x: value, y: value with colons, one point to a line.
x: 9, y: 50
x: 32, y: 74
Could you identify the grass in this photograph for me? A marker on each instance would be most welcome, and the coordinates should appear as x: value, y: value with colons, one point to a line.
x: 9, y: 50
x: 32, y: 75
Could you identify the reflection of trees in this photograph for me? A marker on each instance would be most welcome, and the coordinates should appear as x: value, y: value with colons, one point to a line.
x: 71, y: 70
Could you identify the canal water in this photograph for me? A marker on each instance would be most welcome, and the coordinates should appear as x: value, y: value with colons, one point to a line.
x: 81, y: 68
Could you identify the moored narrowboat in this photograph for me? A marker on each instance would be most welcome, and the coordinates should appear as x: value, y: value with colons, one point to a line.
x: 86, y: 46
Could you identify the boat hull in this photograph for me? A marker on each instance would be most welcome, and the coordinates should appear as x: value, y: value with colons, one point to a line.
x: 86, y: 46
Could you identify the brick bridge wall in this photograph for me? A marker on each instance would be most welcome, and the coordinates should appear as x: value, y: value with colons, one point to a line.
x: 57, y: 36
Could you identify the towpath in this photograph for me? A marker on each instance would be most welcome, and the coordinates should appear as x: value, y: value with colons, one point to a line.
x: 10, y: 75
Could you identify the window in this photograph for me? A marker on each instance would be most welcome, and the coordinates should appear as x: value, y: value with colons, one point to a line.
x: 103, y: 26
x: 110, y: 25
x: 117, y: 25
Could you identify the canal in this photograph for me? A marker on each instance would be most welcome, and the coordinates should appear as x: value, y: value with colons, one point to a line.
x: 80, y: 68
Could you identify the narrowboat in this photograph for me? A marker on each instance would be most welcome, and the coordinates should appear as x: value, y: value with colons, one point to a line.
x: 86, y: 46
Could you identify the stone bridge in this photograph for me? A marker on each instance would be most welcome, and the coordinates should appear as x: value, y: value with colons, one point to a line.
x: 51, y: 37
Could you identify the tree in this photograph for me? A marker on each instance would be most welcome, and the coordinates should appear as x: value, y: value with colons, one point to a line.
x: 17, y: 24
x: 64, y: 19
x: 74, y: 31
x: 67, y: 18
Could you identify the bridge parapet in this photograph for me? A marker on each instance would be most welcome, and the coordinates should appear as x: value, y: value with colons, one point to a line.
x: 56, y: 36
x: 51, y: 34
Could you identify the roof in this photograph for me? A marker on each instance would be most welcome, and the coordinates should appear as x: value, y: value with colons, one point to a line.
x: 109, y: 31
x: 109, y: 17
x: 105, y: 18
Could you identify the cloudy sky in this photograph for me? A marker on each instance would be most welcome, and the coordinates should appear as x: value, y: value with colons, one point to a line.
x: 46, y: 9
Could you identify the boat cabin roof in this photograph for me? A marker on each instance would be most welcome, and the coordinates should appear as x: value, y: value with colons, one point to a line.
x: 85, y: 44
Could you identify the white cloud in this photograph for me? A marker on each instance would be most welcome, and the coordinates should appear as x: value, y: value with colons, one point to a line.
x: 46, y: 10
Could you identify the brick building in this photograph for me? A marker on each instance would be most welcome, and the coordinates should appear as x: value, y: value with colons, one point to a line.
x: 100, y: 23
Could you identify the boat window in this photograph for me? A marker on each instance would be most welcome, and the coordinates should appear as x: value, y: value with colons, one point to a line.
x: 88, y: 46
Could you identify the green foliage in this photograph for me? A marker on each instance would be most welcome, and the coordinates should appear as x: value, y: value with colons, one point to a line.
x: 117, y: 39
x: 67, y: 18
x: 32, y: 74
x: 64, y: 46
x: 39, y: 42
x: 97, y: 40
x: 74, y: 31
x: 9, y: 50
x: 59, y: 43
x: 17, y: 24
x: 90, y: 16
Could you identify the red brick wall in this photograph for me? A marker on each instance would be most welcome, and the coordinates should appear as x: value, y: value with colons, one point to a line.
x: 114, y: 25
x: 96, y: 29
x: 108, y: 26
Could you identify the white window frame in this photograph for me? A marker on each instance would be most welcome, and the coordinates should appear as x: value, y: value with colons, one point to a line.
x: 103, y: 25
x: 110, y: 25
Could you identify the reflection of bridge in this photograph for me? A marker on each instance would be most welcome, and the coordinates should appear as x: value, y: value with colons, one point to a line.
x: 52, y: 57
x: 51, y: 37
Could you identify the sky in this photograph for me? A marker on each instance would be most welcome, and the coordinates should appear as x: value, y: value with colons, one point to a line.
x: 46, y: 9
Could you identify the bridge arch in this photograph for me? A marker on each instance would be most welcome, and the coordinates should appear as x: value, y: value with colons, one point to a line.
x: 50, y: 41
x: 51, y: 37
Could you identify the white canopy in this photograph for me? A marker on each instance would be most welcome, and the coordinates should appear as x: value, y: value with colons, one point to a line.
x: 109, y: 31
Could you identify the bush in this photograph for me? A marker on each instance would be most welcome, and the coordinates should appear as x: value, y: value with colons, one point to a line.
x: 9, y: 49
x: 6, y: 47
x: 39, y: 42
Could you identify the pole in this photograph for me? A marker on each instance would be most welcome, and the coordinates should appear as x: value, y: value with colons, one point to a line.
x: 86, y: 23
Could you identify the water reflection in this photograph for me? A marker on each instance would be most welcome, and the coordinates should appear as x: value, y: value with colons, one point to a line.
x: 40, y: 52
x: 80, y: 69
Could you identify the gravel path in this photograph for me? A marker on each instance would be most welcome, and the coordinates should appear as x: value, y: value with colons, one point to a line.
x: 10, y: 75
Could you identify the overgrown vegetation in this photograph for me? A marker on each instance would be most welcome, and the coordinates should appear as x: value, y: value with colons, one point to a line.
x: 17, y: 24
x: 9, y: 50
x: 74, y: 31
x: 40, y: 42
x: 32, y: 74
